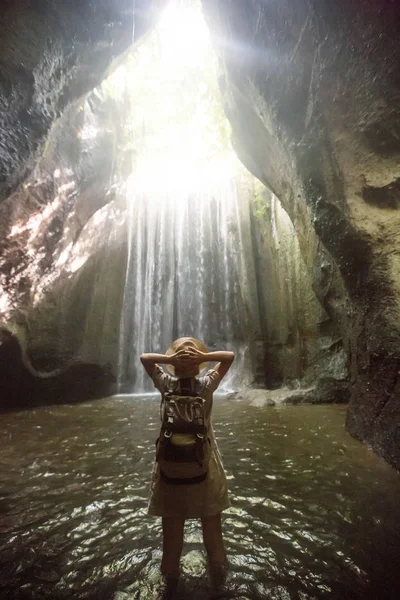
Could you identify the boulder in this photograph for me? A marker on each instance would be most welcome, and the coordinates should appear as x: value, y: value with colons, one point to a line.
x: 25, y: 385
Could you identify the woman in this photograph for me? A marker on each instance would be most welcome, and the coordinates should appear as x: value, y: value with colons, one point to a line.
x: 205, y: 499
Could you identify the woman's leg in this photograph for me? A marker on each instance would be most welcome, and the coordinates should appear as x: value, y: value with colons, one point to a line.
x: 212, y: 537
x: 217, y: 561
x: 173, y: 528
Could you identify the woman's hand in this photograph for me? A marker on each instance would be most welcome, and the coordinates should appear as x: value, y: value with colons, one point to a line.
x: 194, y: 356
x: 187, y: 357
x: 180, y: 358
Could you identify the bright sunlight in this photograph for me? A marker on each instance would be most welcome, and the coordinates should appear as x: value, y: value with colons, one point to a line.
x: 176, y: 129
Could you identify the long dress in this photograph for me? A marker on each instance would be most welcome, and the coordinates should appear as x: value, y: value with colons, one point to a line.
x: 204, y: 499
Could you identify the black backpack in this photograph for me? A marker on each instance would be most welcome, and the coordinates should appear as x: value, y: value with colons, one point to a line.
x: 183, y: 446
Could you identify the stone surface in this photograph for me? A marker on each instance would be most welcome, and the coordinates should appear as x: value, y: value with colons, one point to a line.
x: 23, y: 385
x: 326, y: 392
x: 301, y: 343
x: 50, y: 54
x: 311, y: 90
x: 58, y: 247
x: 55, y: 238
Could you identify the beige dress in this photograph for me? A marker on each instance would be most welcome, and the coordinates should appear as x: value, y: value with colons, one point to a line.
x: 204, y: 499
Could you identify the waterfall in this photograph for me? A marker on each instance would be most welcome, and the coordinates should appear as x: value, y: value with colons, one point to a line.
x: 190, y: 268
x: 189, y: 272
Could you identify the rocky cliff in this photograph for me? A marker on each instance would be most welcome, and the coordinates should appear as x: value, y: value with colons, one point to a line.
x: 311, y: 90
x: 55, y: 177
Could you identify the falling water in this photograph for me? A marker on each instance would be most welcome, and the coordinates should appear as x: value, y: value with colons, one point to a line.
x: 188, y: 272
x: 190, y: 268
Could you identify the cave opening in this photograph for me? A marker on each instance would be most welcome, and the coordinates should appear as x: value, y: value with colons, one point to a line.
x: 142, y: 200
x: 209, y: 251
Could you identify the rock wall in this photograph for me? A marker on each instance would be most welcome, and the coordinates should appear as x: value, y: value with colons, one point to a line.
x: 50, y: 54
x: 301, y: 344
x: 311, y: 90
x: 65, y: 248
x: 55, y: 179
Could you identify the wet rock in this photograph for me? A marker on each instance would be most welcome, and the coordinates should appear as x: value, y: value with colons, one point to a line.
x: 51, y: 54
x: 328, y: 390
x: 328, y: 149
x: 261, y: 397
x: 24, y: 385
x: 302, y: 343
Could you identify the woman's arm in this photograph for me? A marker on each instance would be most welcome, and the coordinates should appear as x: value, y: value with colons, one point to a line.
x: 224, y: 358
x: 150, y: 360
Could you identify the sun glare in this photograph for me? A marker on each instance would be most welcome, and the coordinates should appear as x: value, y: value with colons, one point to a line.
x: 179, y: 136
x: 183, y: 35
x: 180, y: 176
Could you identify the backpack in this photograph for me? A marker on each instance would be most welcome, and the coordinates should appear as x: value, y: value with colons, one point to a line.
x: 183, y: 446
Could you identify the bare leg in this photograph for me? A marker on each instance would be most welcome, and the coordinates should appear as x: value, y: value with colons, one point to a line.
x: 212, y: 537
x: 173, y: 528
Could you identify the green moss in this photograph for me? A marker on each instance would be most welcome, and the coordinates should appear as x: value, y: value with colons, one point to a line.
x: 261, y: 205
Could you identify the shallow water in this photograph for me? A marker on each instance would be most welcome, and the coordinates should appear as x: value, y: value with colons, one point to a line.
x: 314, y: 513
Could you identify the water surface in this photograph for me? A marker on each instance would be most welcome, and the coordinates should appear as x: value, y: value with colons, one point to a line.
x: 314, y: 513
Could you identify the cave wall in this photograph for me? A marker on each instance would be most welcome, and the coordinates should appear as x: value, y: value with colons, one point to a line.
x: 50, y: 54
x: 311, y: 90
x: 301, y: 344
x: 55, y: 178
x: 64, y: 237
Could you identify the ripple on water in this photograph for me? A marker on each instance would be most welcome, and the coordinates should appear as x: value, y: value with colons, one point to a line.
x: 314, y: 514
